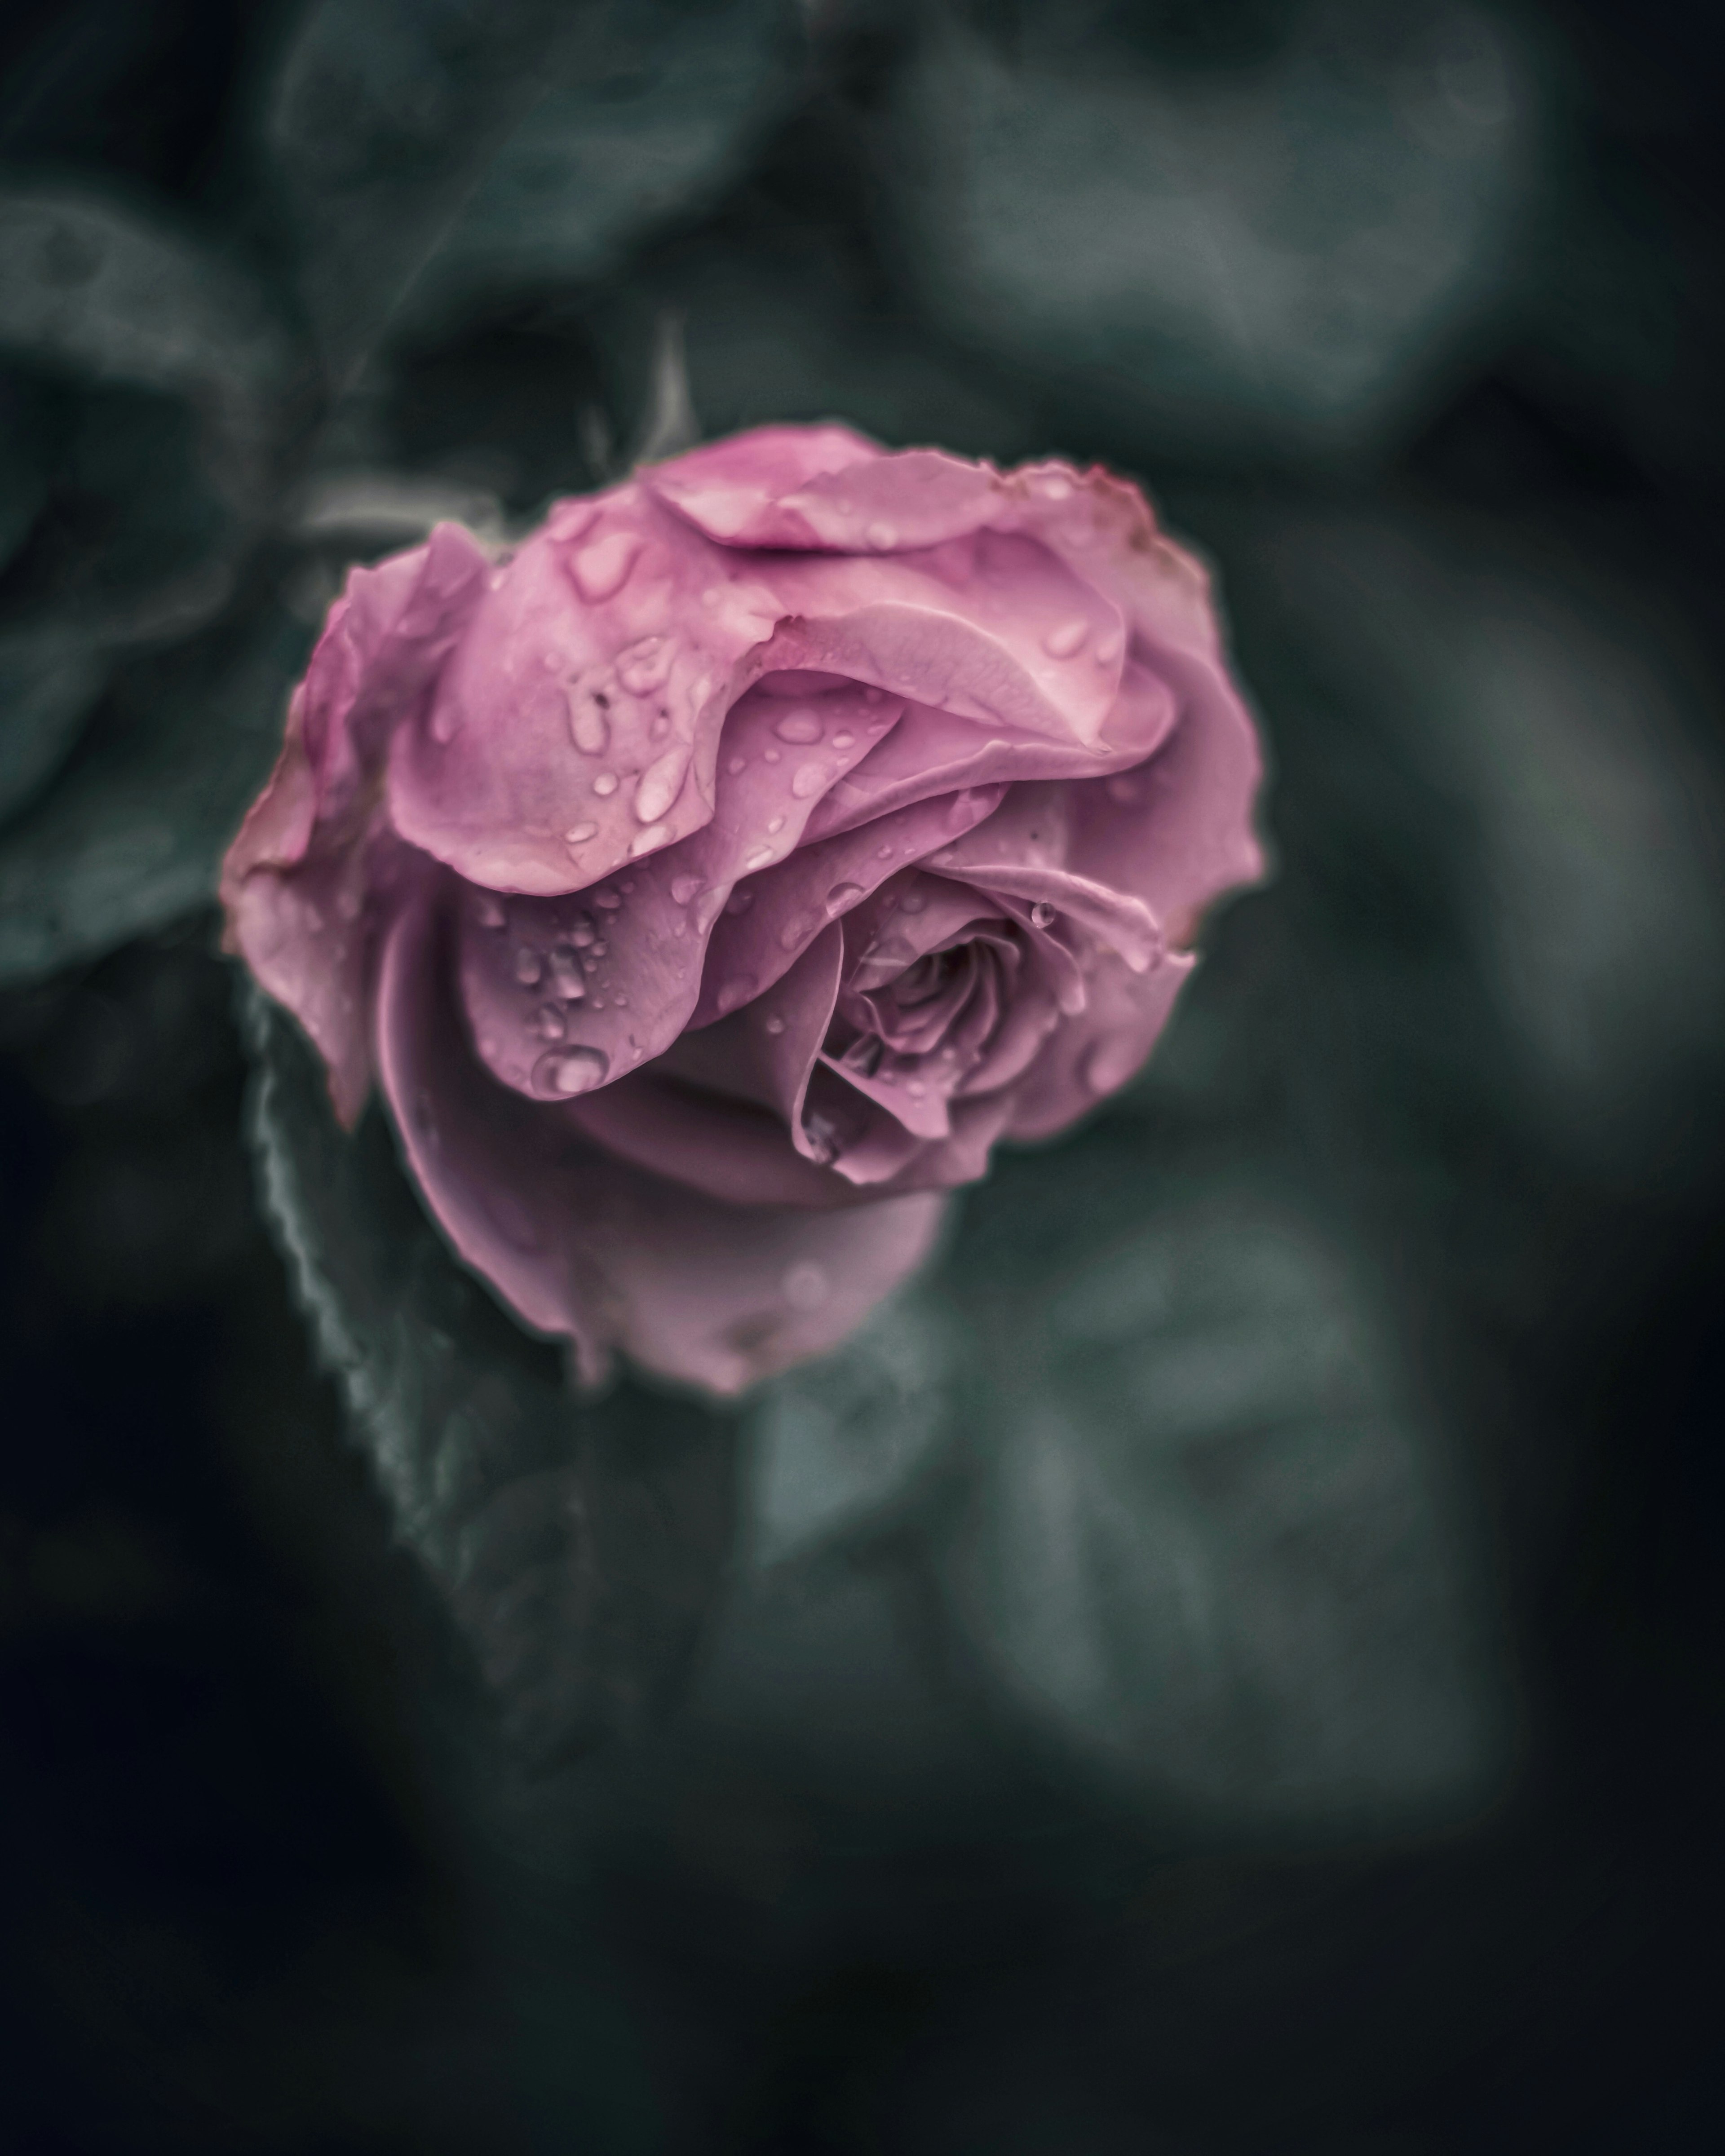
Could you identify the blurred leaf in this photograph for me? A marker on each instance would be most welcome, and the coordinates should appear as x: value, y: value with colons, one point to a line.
x: 1276, y: 258
x: 835, y: 1444
x: 382, y: 117
x: 578, y: 1544
x: 102, y: 292
x: 1564, y: 732
x: 48, y: 680
x: 1209, y: 1545
x: 650, y: 116
x: 134, y: 833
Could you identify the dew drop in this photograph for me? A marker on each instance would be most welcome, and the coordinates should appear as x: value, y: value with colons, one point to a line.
x: 805, y: 1286
x: 490, y: 912
x: 758, y: 857
x: 881, y: 535
x: 445, y: 721
x: 883, y: 853
x: 1042, y: 914
x: 529, y: 966
x: 1054, y: 488
x: 843, y: 740
x: 620, y: 1000
x: 548, y: 1022
x: 1124, y: 789
x: 808, y: 779
x: 582, y: 931
x: 642, y: 668
x: 823, y: 1138
x: 735, y: 992
x: 771, y: 756
x: 913, y: 901
x: 660, y: 784
x: 578, y: 834
x: 684, y: 888
x: 565, y: 974
x: 601, y: 570
x: 801, y: 727
x: 589, y: 699
x: 1062, y: 641
x: 648, y: 841
x: 842, y: 895
x: 567, y: 1071
x: 737, y: 763
x: 915, y: 1088
x: 739, y: 901
x: 605, y: 785
x: 600, y: 948
x: 607, y: 899
x: 775, y: 1023
x: 797, y: 931
x: 775, y: 826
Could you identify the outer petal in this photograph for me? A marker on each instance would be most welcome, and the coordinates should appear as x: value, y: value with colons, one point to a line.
x: 584, y: 1244
x: 1094, y: 1054
x: 578, y: 725
x: 732, y: 491
x: 302, y: 879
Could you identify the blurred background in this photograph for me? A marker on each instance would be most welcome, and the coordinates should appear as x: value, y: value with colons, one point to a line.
x: 1231, y: 1661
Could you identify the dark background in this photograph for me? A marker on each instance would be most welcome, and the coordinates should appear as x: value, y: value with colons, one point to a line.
x: 260, y: 1892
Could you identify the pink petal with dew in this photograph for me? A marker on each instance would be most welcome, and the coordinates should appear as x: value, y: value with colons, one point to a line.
x: 581, y: 1244
x: 569, y: 992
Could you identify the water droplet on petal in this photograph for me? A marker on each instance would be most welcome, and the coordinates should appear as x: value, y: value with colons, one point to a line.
x: 1042, y: 914
x: 660, y: 784
x: 881, y: 535
x: 797, y: 931
x: 445, y: 719
x: 529, y: 966
x: 605, y: 785
x: 758, y: 857
x: 1111, y: 647
x: 1125, y: 790
x: 608, y: 899
x: 775, y: 1023
x: 737, y: 763
x: 582, y: 930
x: 684, y: 888
x: 735, y: 992
x: 601, y: 570
x: 770, y: 756
x: 843, y: 740
x: 589, y: 699
x: 842, y: 895
x: 1062, y: 641
x: 648, y: 841
x: 913, y: 901
x: 915, y: 1088
x: 808, y: 779
x: 775, y: 826
x: 489, y: 912
x: 1054, y: 488
x: 802, y: 727
x: 823, y: 1138
x: 548, y: 1022
x: 567, y: 1072
x: 739, y: 901
x: 883, y: 853
x: 642, y: 668
x: 565, y: 974
x: 805, y: 1286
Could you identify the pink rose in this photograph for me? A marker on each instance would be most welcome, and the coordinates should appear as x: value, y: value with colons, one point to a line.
x: 711, y: 881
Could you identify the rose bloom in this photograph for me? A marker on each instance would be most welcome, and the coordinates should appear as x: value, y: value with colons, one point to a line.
x: 710, y: 881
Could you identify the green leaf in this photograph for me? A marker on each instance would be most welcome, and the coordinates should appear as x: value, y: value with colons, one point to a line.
x: 133, y: 833
x: 577, y: 1543
x: 1210, y: 1544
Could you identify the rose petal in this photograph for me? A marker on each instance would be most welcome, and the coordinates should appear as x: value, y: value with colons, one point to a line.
x: 655, y: 920
x: 789, y: 905
x: 569, y: 728
x: 730, y: 490
x: 1093, y: 1056
x: 581, y: 1244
